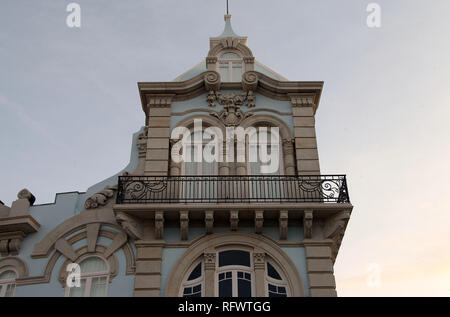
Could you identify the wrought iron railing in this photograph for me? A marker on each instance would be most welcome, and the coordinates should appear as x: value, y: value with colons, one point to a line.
x: 232, y: 189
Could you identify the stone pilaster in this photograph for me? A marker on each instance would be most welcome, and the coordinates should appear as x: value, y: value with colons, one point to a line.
x: 210, y: 271
x: 305, y: 135
x: 158, y: 122
x: 147, y: 282
x: 320, y: 271
x: 259, y: 262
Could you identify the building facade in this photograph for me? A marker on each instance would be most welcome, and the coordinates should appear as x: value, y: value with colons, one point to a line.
x: 165, y: 227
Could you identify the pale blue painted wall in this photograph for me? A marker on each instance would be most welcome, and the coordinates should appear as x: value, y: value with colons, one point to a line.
x: 262, y: 102
x: 49, y: 216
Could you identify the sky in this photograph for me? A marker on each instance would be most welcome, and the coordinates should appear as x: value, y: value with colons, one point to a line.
x: 69, y: 105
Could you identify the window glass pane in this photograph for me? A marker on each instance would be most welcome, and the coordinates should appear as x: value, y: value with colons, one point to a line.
x: 230, y: 56
x: 196, y: 273
x: 272, y: 288
x: 244, y: 288
x: 10, y: 290
x: 195, y: 291
x: 98, y: 286
x: 187, y: 291
x: 225, y: 288
x: 93, y: 265
x: 8, y: 275
x: 224, y: 72
x: 237, y: 72
x: 272, y: 272
x: 234, y: 257
x: 78, y: 291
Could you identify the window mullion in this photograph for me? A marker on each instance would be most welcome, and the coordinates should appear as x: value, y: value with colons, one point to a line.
x: 3, y: 288
x: 87, y: 290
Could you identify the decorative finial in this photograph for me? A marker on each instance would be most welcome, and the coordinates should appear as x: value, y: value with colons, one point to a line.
x: 227, y: 9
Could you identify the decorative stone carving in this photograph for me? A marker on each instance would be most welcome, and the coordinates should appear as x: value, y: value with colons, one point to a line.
x: 234, y: 219
x: 210, y: 260
x: 308, y: 224
x: 302, y: 101
x: 100, y: 198
x: 283, y: 224
x: 249, y: 81
x: 212, y: 80
x: 26, y: 194
x: 159, y: 225
x: 259, y: 259
x: 209, y: 221
x: 259, y: 221
x: 14, y: 246
x: 184, y: 225
x: 131, y: 225
x: 142, y: 143
x: 16, y: 223
x: 251, y: 99
x: 211, y: 99
x: 231, y: 115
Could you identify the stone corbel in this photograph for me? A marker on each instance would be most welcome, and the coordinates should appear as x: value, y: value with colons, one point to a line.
x: 159, y: 225
x: 250, y: 81
x: 336, y: 224
x: 259, y: 221
x: 234, y: 220
x: 16, y: 223
x: 209, y: 221
x: 308, y: 224
x: 132, y: 226
x: 184, y: 225
x: 283, y: 224
x: 212, y: 81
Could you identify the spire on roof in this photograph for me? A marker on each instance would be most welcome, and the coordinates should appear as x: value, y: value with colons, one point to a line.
x: 228, y: 31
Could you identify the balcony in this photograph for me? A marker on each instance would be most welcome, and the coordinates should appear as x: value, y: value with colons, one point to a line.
x: 327, y: 189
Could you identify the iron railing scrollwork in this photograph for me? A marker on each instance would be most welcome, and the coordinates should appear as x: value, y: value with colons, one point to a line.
x: 232, y: 189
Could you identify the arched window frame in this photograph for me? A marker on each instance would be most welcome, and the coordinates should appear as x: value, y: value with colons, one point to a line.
x: 198, y: 281
x: 4, y: 283
x: 226, y: 66
x: 90, y: 276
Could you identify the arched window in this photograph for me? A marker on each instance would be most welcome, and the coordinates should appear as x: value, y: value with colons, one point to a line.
x: 230, y: 67
x: 234, y: 277
x: 94, y: 279
x: 8, y: 283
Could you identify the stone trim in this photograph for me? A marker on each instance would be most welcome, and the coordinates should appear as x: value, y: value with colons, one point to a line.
x: 220, y: 240
x: 17, y: 264
x: 83, y: 253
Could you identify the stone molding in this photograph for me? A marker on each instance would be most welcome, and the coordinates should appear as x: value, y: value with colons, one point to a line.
x: 252, y: 241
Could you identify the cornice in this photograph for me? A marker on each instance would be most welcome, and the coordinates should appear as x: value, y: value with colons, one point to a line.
x: 266, y: 86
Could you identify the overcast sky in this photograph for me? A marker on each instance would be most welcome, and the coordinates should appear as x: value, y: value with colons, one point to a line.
x: 69, y: 104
